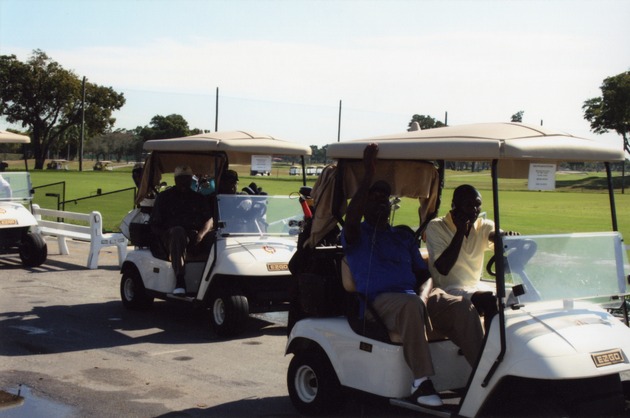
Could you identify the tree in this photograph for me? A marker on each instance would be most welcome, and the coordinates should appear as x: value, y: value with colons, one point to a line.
x: 518, y: 116
x: 611, y: 111
x: 162, y: 127
x: 46, y: 98
x: 425, y: 122
x: 118, y: 145
x: 318, y: 155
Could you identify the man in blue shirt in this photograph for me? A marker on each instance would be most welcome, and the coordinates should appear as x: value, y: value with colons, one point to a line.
x: 385, y: 263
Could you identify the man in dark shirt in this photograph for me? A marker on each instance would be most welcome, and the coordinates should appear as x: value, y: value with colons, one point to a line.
x: 181, y: 218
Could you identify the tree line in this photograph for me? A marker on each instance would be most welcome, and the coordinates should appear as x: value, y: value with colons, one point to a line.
x: 52, y: 104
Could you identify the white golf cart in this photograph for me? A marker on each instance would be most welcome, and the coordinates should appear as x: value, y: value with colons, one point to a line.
x: 553, y: 349
x: 18, y: 226
x: 246, y: 269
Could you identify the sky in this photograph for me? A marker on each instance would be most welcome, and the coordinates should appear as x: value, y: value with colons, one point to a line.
x: 291, y: 68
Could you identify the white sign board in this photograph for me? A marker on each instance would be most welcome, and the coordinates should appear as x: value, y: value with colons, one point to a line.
x: 261, y: 163
x: 542, y: 177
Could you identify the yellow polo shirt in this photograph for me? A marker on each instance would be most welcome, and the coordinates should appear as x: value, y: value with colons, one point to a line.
x: 467, y: 269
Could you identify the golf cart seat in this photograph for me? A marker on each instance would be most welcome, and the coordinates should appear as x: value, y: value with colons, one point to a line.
x: 193, y: 254
x: 370, y: 325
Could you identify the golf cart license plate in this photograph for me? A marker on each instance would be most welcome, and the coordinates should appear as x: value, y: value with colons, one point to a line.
x: 277, y: 266
x: 607, y: 358
x: 8, y: 221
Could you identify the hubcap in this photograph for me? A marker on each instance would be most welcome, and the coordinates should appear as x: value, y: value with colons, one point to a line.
x: 306, y: 384
x: 218, y: 311
x: 129, y: 293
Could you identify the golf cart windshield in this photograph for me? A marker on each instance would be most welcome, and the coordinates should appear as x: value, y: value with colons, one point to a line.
x: 258, y: 215
x: 15, y: 186
x: 567, y: 266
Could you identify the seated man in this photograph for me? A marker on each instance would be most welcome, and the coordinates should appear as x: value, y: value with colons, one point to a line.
x: 181, y: 218
x: 456, y: 244
x: 384, y: 262
x: 229, y: 182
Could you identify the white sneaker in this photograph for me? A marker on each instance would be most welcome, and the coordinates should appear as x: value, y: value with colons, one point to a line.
x: 425, y: 394
x: 180, y: 291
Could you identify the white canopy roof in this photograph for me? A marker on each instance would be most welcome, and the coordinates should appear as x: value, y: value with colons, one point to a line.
x: 232, y: 142
x: 482, y: 141
x: 11, y: 138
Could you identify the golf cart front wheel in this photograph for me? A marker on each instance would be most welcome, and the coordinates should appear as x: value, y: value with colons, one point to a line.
x: 132, y: 292
x: 33, y: 250
x: 228, y: 313
x: 313, y: 386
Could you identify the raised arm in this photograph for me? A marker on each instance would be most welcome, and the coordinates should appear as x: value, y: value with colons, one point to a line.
x: 356, y: 207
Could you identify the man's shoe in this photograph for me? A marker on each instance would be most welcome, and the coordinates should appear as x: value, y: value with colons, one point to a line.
x: 425, y: 395
x: 179, y: 291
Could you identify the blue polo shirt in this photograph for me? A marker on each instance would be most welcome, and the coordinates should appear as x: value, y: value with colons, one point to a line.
x: 383, y: 261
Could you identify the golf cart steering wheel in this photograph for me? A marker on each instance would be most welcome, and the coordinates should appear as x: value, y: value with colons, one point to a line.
x: 521, y: 251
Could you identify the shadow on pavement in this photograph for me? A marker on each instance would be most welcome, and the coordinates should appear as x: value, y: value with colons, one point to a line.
x: 63, y: 328
x: 275, y: 407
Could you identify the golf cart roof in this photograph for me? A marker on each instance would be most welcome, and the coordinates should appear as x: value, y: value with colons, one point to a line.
x: 11, y: 138
x: 482, y: 141
x: 238, y: 145
x: 209, y: 154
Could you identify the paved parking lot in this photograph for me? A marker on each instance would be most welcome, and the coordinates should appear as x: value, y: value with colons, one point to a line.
x: 66, y: 338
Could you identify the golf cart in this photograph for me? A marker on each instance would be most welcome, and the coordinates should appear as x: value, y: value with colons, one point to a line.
x: 17, y: 224
x: 554, y: 349
x: 103, y: 165
x: 255, y: 235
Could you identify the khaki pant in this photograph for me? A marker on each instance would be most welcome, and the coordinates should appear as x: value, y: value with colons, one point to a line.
x: 452, y: 316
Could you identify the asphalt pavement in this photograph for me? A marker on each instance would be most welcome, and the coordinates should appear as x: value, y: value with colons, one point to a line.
x: 72, y: 350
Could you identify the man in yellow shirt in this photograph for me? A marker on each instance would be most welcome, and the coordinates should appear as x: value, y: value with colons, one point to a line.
x: 456, y: 244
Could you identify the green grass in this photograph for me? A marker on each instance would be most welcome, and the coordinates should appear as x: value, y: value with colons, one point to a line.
x: 579, y: 205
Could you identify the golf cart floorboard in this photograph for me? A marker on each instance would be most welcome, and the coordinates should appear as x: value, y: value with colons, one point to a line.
x: 447, y: 410
x: 185, y: 298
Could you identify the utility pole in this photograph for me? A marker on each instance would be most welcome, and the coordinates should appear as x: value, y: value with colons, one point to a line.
x: 82, y: 127
x: 216, y: 112
x: 339, y: 124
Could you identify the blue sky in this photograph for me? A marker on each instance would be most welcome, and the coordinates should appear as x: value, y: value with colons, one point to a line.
x: 282, y: 66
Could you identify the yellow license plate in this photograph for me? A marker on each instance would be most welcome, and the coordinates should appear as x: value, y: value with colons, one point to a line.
x: 8, y: 221
x: 608, y: 358
x: 277, y: 266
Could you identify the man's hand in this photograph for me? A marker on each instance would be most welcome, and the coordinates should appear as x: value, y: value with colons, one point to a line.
x: 462, y: 222
x: 425, y: 290
x: 369, y: 158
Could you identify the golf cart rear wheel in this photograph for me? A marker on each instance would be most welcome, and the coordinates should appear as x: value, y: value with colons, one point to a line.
x: 228, y: 313
x: 33, y: 250
x: 313, y: 386
x: 132, y: 292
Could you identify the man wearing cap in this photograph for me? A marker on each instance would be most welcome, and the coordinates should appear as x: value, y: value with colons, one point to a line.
x: 386, y: 265
x: 181, y: 218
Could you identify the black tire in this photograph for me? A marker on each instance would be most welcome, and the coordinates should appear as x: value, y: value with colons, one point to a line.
x: 132, y: 292
x: 33, y: 250
x: 228, y: 312
x: 313, y: 385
